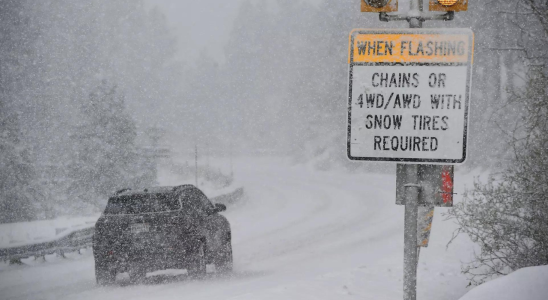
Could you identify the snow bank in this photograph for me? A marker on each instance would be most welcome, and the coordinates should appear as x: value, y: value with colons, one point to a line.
x: 523, y: 284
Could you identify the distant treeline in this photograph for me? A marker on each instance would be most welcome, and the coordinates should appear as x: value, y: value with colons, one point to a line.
x: 73, y: 74
x: 283, y: 84
x: 85, y: 85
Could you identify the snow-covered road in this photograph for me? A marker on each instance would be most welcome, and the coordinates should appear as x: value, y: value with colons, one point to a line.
x: 299, y: 234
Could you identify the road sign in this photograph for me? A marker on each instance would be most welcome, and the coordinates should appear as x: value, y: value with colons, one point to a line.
x: 409, y: 94
x: 436, y: 183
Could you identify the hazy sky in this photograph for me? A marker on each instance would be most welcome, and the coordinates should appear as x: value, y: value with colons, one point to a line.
x: 201, y: 23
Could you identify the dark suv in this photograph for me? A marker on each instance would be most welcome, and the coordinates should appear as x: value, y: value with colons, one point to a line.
x: 160, y: 228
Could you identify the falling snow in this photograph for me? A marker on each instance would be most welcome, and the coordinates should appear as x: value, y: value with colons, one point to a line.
x: 250, y: 98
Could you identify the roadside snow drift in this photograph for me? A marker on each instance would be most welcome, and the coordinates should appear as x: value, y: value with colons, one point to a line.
x: 524, y: 284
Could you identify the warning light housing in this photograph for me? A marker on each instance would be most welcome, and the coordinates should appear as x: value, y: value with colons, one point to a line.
x: 447, y: 2
x: 379, y: 5
x: 448, y: 5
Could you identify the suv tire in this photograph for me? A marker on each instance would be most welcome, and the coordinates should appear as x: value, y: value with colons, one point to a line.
x: 224, y: 262
x: 104, y: 275
x: 197, y: 269
x: 137, y: 274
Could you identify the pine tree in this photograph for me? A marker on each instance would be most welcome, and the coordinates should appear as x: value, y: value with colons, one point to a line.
x: 106, y: 157
x: 16, y: 171
x: 16, y: 201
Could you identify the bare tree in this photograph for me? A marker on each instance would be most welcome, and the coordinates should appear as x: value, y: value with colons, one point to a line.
x: 508, y: 216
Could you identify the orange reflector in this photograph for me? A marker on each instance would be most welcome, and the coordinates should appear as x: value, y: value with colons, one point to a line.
x: 447, y: 2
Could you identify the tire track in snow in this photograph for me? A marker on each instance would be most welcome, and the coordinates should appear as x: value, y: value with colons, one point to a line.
x: 331, y: 214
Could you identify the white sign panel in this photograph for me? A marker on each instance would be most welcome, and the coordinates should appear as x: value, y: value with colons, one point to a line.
x: 409, y: 95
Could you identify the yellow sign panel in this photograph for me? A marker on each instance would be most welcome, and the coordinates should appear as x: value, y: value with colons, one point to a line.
x: 403, y: 47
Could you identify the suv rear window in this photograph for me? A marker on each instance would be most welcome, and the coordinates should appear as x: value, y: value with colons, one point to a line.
x: 142, y: 203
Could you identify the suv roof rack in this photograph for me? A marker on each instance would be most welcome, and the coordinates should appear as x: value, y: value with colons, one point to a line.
x: 183, y: 186
x: 122, y: 190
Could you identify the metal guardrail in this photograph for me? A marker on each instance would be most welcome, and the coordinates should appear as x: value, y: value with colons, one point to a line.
x: 73, y: 241
x: 81, y: 238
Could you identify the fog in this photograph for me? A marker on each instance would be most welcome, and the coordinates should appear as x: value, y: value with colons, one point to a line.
x: 199, y: 148
x: 231, y: 78
x: 204, y: 25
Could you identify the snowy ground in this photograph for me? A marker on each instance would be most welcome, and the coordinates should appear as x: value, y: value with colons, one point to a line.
x: 526, y: 283
x: 299, y: 234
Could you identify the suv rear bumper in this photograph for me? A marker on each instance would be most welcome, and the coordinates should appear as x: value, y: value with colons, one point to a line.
x: 150, y: 257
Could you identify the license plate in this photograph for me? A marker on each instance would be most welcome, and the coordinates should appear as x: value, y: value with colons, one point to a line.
x: 139, y: 228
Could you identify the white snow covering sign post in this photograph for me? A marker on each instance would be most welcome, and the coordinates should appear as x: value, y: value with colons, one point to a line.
x: 409, y: 95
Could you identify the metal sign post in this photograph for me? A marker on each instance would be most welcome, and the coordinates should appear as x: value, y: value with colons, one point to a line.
x: 410, y: 252
x: 409, y: 95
